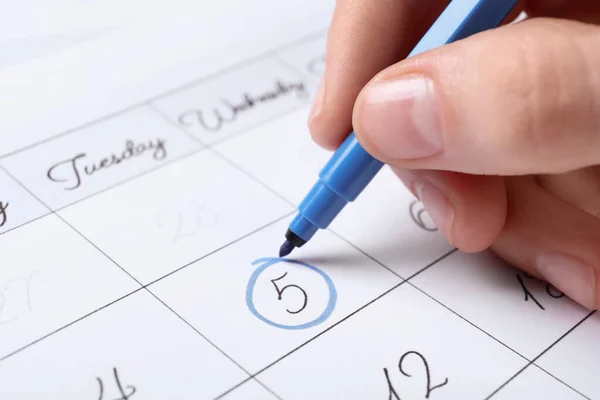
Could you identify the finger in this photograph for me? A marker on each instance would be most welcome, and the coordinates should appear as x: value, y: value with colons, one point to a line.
x: 580, y: 188
x: 468, y: 210
x: 364, y: 38
x: 521, y: 99
x: 561, y: 249
x: 580, y: 10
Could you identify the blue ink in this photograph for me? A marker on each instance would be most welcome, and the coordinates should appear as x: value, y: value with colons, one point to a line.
x: 267, y: 262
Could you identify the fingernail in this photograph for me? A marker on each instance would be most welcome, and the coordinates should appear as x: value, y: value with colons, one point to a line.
x: 572, y: 278
x: 317, y: 105
x: 438, y: 206
x: 401, y: 117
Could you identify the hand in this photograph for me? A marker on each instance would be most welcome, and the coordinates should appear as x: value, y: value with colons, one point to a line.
x: 498, y: 134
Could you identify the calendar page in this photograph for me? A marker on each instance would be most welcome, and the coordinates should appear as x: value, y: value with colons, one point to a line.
x: 147, y: 177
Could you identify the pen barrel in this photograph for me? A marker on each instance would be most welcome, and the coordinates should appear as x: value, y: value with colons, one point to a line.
x: 341, y: 181
x: 318, y: 209
x: 350, y: 169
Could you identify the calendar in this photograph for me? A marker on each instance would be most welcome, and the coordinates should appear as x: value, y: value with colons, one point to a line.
x: 139, y: 259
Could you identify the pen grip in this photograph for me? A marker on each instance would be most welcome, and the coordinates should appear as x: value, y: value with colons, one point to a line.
x: 341, y: 181
x: 350, y: 169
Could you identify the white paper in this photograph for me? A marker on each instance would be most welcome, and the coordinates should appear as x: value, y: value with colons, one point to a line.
x: 147, y: 177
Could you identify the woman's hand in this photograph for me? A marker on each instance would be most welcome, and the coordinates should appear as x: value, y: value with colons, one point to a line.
x: 498, y: 135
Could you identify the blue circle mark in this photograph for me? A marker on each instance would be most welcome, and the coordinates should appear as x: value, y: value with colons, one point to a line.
x: 267, y: 262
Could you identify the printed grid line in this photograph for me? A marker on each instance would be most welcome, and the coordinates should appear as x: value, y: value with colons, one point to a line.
x: 169, y: 92
x: 529, y: 362
x: 250, y: 377
x: 145, y: 287
x: 22, y: 224
x: 210, y: 147
x: 62, y: 328
x: 404, y: 280
x: 203, y: 147
x: 282, y: 61
x: 266, y: 186
x: 142, y: 286
x: 148, y: 103
x: 372, y: 301
x: 52, y: 212
x: 151, y: 107
x: 533, y: 362
x: 274, y: 191
x: 408, y: 280
x: 293, y: 68
x: 160, y: 166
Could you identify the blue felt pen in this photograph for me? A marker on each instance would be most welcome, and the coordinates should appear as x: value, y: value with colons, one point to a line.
x: 351, y: 168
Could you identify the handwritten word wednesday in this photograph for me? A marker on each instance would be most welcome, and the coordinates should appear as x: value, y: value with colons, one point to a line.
x: 215, y: 120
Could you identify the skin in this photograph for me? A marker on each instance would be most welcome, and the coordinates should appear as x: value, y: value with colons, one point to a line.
x: 518, y: 118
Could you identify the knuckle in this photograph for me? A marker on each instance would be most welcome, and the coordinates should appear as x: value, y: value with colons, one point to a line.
x: 527, y: 88
x: 547, y: 94
x: 595, y: 266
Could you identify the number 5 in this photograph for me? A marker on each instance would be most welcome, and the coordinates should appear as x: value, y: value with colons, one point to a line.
x: 280, y: 293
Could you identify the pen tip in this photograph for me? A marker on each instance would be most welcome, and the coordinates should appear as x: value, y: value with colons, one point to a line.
x: 286, y: 248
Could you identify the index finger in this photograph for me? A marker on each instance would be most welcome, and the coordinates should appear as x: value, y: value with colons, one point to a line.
x: 364, y: 38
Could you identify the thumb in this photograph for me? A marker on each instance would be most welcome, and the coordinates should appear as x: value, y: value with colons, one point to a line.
x: 521, y: 99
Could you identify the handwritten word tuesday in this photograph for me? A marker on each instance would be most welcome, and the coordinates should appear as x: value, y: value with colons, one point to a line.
x: 72, y: 170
